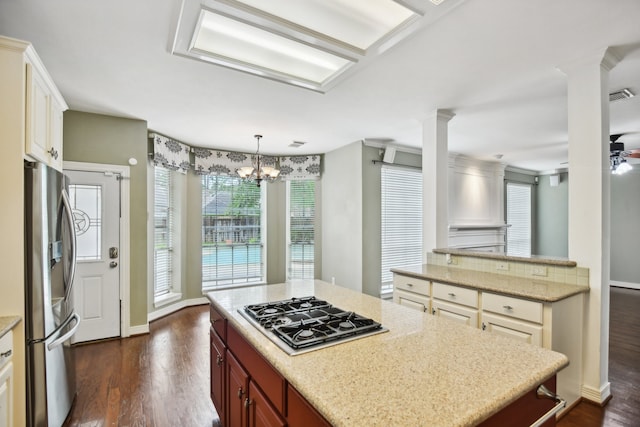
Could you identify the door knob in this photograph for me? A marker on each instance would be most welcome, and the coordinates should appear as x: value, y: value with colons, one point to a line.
x: 113, y: 264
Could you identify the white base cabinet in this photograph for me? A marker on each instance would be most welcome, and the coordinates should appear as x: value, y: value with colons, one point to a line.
x: 6, y: 380
x: 553, y: 325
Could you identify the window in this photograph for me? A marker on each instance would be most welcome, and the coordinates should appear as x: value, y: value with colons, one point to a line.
x: 231, y: 232
x: 163, y: 232
x: 401, y: 217
x: 301, y: 204
x: 519, y: 219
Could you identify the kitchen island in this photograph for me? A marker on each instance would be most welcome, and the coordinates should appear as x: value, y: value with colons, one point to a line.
x: 424, y: 370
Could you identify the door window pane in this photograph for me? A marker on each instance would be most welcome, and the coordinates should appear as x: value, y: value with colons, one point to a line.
x: 86, y: 205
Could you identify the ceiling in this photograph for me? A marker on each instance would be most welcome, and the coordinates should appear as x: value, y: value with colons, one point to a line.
x: 494, y: 63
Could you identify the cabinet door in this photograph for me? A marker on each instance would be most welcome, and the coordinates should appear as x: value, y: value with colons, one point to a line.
x: 6, y: 395
x: 217, y: 354
x: 37, y: 115
x: 237, y: 389
x: 55, y: 135
x: 261, y: 413
x: 516, y: 329
x: 459, y: 313
x: 411, y: 300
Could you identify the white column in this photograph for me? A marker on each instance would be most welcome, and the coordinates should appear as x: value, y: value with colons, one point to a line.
x: 589, y: 207
x: 435, y: 188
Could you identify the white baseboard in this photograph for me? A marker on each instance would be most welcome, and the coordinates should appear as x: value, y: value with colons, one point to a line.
x: 624, y: 284
x: 599, y: 396
x: 138, y: 329
x: 172, y: 308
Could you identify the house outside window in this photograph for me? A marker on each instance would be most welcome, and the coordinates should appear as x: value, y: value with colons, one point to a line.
x: 300, y: 229
x: 232, y: 245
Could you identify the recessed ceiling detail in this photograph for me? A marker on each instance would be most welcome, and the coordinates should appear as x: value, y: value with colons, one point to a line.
x: 306, y: 43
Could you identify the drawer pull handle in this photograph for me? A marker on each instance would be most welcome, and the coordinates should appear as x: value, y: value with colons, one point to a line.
x: 409, y: 284
x: 219, y: 360
x: 507, y: 307
x: 452, y: 295
x: 6, y: 353
x: 240, y: 393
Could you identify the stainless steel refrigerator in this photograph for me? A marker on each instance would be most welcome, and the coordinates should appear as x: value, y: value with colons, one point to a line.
x: 50, y: 318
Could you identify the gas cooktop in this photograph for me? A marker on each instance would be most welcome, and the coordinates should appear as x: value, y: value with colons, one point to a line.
x: 299, y: 325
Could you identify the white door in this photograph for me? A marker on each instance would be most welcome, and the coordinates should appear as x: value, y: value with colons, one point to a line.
x: 95, y: 202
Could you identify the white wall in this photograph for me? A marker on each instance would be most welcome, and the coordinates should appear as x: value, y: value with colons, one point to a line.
x: 342, y: 217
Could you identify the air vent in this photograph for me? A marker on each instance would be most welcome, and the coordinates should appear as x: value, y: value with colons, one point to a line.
x: 621, y: 94
x: 297, y: 144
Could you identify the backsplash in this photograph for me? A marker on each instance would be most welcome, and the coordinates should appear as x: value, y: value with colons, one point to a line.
x: 543, y: 272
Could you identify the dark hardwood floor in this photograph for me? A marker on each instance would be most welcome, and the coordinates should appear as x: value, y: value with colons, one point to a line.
x: 162, y: 379
x: 159, y: 380
x: 623, y: 409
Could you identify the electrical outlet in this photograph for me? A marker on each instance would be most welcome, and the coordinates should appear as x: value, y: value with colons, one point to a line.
x: 539, y: 270
x: 452, y: 260
x: 502, y: 266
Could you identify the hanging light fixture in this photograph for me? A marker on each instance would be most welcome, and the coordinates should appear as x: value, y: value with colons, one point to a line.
x: 262, y: 168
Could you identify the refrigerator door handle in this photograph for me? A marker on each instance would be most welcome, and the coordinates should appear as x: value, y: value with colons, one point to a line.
x: 72, y: 265
x: 68, y: 335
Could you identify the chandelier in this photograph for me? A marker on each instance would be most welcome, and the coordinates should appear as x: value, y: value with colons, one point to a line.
x: 262, y: 168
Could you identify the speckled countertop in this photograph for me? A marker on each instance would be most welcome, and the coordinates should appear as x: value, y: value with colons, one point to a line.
x: 534, y: 259
x: 425, y: 370
x: 7, y: 323
x: 537, y: 290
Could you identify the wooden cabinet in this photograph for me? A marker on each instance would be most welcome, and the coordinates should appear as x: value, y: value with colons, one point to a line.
x: 43, y: 115
x: 245, y: 389
x: 455, y: 303
x: 412, y: 293
x: 300, y: 413
x: 218, y: 374
x: 237, y: 393
x: 6, y: 380
x: 261, y: 413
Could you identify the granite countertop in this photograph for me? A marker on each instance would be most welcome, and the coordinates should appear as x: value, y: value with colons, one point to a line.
x: 425, y: 369
x: 537, y: 290
x: 533, y: 259
x: 7, y: 323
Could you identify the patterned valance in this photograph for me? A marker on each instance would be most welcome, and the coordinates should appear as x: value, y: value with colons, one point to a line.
x: 300, y: 167
x: 174, y: 155
x: 170, y: 154
x: 217, y: 162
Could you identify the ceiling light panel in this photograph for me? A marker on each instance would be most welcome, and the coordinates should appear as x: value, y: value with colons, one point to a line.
x: 240, y: 42
x: 359, y: 23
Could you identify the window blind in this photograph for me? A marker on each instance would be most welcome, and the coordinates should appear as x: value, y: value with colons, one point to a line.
x: 301, y: 230
x: 401, y: 209
x: 519, y: 219
x: 231, y: 231
x: 163, y: 231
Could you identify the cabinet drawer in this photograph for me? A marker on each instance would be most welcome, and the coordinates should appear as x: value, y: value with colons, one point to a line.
x: 410, y: 284
x: 512, y: 307
x: 6, y: 348
x: 455, y: 294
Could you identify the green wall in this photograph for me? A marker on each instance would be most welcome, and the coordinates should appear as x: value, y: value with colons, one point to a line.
x: 552, y: 217
x: 95, y: 138
x: 625, y: 229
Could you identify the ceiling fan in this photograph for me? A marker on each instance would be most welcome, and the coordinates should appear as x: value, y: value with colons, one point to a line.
x: 618, y: 155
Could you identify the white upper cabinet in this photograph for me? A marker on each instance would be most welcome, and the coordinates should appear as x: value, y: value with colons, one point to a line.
x: 44, y: 109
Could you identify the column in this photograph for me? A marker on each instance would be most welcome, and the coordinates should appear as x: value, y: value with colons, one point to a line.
x: 435, y: 188
x: 589, y: 207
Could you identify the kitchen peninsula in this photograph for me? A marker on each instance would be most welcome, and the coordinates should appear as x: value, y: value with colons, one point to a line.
x: 424, y: 370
